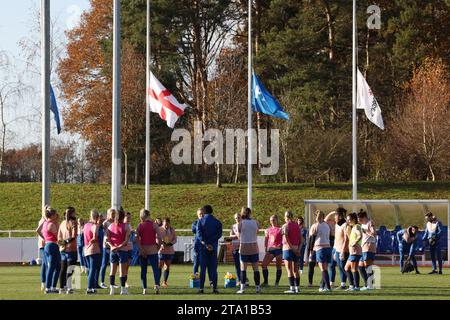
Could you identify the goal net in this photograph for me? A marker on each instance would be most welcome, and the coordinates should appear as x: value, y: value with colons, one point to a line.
x: 390, y: 216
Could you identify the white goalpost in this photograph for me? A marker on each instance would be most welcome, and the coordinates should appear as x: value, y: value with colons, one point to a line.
x: 390, y: 214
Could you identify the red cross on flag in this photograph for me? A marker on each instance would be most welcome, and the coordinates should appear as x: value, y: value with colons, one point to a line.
x: 163, y: 102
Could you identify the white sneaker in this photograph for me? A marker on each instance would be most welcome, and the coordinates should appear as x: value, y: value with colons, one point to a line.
x: 62, y: 291
x: 350, y: 288
x: 144, y: 292
x: 241, y: 291
x: 320, y: 289
x: 258, y: 289
x: 297, y: 290
x: 111, y: 291
x: 103, y: 286
x: 69, y: 291
x: 326, y: 290
x: 290, y: 291
x: 353, y: 289
x: 123, y: 291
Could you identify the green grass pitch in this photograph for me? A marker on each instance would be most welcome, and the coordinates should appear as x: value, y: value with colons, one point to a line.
x: 22, y: 282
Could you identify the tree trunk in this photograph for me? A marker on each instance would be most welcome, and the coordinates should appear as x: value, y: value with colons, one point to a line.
x: 286, y: 178
x: 433, y: 177
x: 136, y: 169
x: 2, y: 151
x: 330, y: 29
x: 236, y: 174
x: 218, y: 176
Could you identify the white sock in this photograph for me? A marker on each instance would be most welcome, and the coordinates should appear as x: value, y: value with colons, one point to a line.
x: 291, y: 288
x: 242, y: 286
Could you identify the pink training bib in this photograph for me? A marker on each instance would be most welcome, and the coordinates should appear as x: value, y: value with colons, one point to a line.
x: 274, y: 236
x: 48, y: 236
x: 87, y: 233
x: 294, y: 233
x: 147, y: 233
x: 117, y: 233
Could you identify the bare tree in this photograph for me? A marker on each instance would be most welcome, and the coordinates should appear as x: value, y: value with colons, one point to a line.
x: 287, y: 128
x: 420, y: 128
x: 228, y: 97
x: 11, y: 92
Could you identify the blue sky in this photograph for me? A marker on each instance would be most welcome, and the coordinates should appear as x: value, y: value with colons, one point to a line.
x: 16, y: 20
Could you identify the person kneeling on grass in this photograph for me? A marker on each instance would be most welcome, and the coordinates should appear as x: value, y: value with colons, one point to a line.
x: 166, y: 251
x: 321, y: 230
x: 354, y: 235
x: 118, y: 236
x: 407, y: 244
x: 248, y: 236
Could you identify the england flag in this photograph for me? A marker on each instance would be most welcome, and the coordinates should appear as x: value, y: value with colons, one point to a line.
x: 162, y: 102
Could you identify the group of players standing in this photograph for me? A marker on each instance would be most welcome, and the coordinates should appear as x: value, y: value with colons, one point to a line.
x: 339, y: 239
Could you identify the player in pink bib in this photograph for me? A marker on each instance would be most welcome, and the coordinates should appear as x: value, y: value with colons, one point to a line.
x: 147, y: 234
x: 273, y: 243
x: 118, y: 236
x: 49, y: 232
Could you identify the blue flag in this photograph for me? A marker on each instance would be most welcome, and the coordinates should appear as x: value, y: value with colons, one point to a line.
x: 54, y: 108
x: 263, y: 101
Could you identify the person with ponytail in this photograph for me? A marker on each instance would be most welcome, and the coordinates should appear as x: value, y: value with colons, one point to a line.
x: 49, y: 232
x: 106, y: 251
x: 369, y: 249
x: 321, y: 231
x: 354, y: 240
x: 41, y: 246
x: 273, y: 242
x: 292, y: 241
x: 92, y: 250
x: 147, y: 234
x: 249, y: 251
x: 340, y: 254
x: 67, y: 239
x: 166, y: 250
x: 118, y: 236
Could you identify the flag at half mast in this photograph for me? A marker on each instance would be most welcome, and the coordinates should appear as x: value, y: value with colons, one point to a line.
x: 162, y: 102
x: 367, y: 101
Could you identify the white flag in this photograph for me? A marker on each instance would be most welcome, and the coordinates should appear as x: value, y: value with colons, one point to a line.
x: 367, y: 101
x: 163, y: 102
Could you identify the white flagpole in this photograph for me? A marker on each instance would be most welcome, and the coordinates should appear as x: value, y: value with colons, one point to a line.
x: 250, y: 138
x: 45, y: 99
x: 116, y: 200
x: 354, y: 114
x: 147, y: 115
